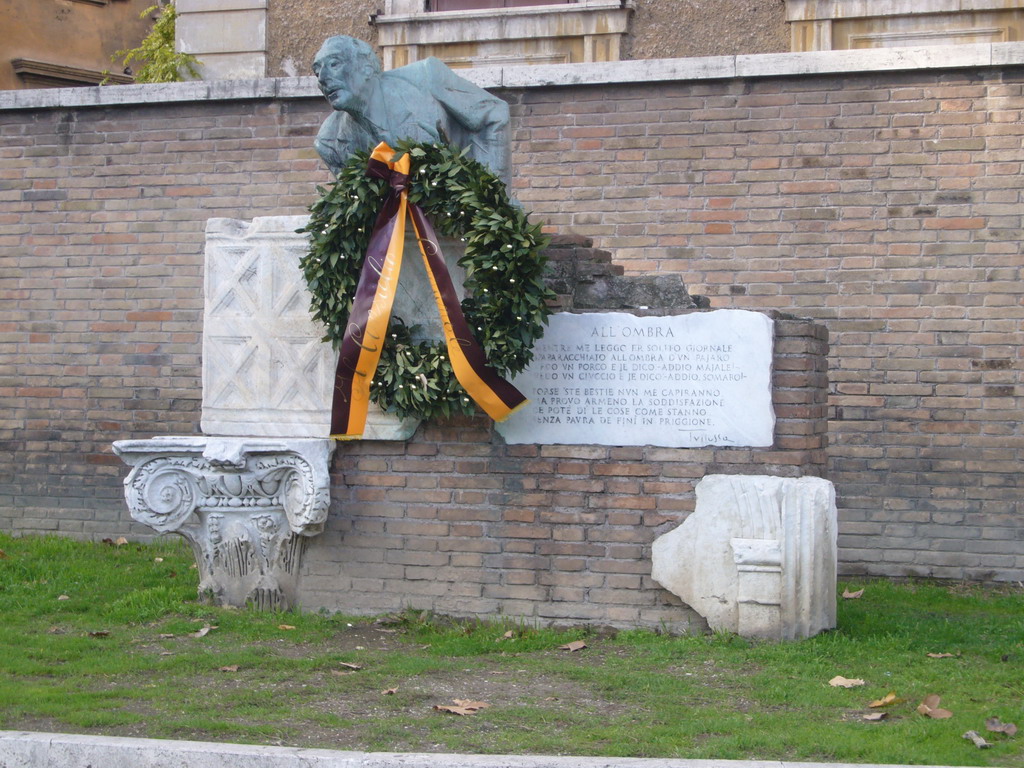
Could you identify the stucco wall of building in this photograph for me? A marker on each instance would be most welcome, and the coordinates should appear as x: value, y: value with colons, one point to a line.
x: 66, y: 33
x: 659, y: 29
x: 296, y: 28
x: 664, y: 29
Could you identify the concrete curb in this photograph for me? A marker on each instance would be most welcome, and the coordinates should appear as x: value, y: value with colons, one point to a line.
x: 23, y: 749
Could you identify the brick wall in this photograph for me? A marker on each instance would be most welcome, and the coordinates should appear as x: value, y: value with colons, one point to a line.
x: 102, y: 213
x: 457, y: 522
x: 887, y: 206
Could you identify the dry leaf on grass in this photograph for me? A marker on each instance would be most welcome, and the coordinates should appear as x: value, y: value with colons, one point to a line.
x: 63, y: 597
x: 120, y: 541
x: 843, y: 682
x: 941, y: 655
x: 889, y: 698
x: 285, y: 626
x: 349, y: 665
x: 930, y: 708
x: 453, y: 710
x: 575, y: 645
x: 462, y: 707
x: 3, y: 555
x: 165, y: 636
x: 848, y: 595
x: 994, y: 725
x: 507, y: 636
x: 979, y: 742
x: 207, y: 628
x: 55, y: 630
x: 158, y: 559
x: 100, y: 633
x: 229, y: 668
x: 874, y: 717
x: 470, y: 704
x: 389, y: 691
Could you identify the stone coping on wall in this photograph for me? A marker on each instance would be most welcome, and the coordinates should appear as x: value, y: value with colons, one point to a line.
x: 553, y: 75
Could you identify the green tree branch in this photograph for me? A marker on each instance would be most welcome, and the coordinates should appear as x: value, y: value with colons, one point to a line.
x: 160, y: 62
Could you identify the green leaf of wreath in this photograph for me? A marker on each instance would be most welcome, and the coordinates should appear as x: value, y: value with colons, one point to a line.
x: 507, y: 301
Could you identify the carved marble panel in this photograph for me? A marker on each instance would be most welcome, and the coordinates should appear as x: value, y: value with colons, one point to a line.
x: 757, y: 556
x: 247, y: 506
x: 266, y: 371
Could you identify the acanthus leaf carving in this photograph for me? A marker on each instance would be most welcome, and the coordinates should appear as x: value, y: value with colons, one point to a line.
x: 246, y: 509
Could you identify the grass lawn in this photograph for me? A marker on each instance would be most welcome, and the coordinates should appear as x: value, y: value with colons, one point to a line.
x: 98, y: 638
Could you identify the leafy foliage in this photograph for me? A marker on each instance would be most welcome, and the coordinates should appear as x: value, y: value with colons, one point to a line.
x: 160, y: 62
x: 507, y: 300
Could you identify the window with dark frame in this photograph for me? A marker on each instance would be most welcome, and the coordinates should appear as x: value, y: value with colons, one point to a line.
x: 476, y: 5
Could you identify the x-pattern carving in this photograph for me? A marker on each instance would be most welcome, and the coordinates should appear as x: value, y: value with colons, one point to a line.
x: 225, y: 359
x: 301, y: 369
x: 232, y: 285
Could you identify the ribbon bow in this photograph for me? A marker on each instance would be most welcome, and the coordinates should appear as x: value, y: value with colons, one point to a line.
x: 375, y: 295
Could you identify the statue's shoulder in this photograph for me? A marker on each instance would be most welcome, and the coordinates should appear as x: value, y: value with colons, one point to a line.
x: 434, y: 64
x: 423, y: 73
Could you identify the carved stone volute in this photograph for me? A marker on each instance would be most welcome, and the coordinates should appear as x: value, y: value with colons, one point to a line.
x: 246, y: 505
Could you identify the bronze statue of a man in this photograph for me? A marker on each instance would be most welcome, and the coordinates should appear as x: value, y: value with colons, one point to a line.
x: 424, y: 101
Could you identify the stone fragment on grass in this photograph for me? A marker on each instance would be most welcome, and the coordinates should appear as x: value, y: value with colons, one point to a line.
x: 757, y: 557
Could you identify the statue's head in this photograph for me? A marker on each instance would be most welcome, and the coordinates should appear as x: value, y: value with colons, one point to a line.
x: 344, y: 65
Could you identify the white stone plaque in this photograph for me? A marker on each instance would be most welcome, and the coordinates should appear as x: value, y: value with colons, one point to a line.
x: 682, y: 381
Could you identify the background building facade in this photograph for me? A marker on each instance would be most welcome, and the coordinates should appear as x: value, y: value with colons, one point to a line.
x: 63, y: 43
x: 259, y: 38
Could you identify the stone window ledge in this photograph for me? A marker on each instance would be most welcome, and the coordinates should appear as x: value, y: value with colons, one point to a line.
x: 817, y: 25
x: 43, y: 74
x: 800, y: 10
x: 586, y: 31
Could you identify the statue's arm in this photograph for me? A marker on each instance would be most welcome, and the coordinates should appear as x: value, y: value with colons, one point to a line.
x: 485, y: 118
x: 328, y: 144
x: 336, y: 140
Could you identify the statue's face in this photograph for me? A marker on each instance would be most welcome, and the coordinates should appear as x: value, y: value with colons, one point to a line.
x: 341, y: 78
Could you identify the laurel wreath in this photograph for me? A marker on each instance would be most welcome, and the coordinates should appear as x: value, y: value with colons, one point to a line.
x: 507, y: 301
